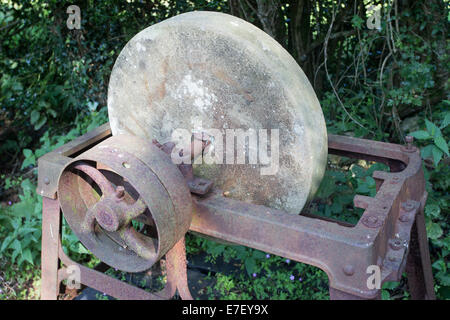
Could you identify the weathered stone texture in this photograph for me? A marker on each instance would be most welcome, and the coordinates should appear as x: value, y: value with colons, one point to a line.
x: 212, y: 70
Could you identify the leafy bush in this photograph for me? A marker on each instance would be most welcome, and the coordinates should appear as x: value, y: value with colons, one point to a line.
x: 21, y: 228
x: 434, y: 142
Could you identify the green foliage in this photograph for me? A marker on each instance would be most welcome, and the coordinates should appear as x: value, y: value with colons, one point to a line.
x: 435, y: 143
x: 20, y: 231
x: 19, y: 283
x: 21, y: 228
x: 99, y: 296
x: 433, y: 140
x: 263, y: 276
x: 338, y: 188
x: 20, y: 223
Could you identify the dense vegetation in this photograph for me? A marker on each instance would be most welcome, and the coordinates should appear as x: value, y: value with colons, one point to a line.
x: 379, y: 84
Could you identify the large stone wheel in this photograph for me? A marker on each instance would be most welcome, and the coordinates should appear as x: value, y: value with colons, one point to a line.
x: 202, y: 70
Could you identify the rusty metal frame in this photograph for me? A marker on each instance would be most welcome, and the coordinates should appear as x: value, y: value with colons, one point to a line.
x: 390, y: 233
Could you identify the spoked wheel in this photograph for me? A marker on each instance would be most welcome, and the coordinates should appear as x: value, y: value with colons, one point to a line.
x: 128, y: 209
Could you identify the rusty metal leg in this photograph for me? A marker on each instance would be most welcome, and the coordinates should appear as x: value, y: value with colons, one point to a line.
x: 176, y: 260
x: 336, y: 294
x: 49, y: 255
x: 418, y: 266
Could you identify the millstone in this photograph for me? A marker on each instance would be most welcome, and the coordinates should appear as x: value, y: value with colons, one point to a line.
x: 206, y: 70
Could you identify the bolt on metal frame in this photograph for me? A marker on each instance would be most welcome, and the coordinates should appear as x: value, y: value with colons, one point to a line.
x: 390, y: 234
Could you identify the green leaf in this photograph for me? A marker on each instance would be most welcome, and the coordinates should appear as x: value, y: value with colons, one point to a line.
x: 14, y: 255
x: 17, y: 86
x: 30, y: 159
x: 439, y: 265
x: 426, y: 151
x: 362, y: 188
x: 40, y: 123
x: 23, y: 208
x: 338, y: 176
x: 241, y: 252
x: 432, y: 210
x: 437, y: 155
x: 216, y: 249
x: 27, y: 185
x: 421, y: 134
x: 336, y: 207
x: 371, y: 182
x: 16, y: 245
x: 27, y: 256
x: 250, y: 265
x: 25, y: 230
x: 443, y: 278
x: 327, y: 187
x: 434, y: 230
x: 34, y: 117
x: 432, y: 129
x: 358, y: 171
x: 377, y: 166
x: 5, y: 243
x: 52, y: 113
x: 390, y: 285
x: 446, y: 121
x: 81, y: 249
x: 357, y: 21
x: 27, y: 152
x: 439, y: 141
x: 258, y: 255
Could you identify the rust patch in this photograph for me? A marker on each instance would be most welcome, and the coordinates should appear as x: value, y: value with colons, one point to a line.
x: 220, y: 74
x: 159, y: 92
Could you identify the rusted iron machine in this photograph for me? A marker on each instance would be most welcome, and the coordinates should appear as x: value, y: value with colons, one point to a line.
x: 131, y: 205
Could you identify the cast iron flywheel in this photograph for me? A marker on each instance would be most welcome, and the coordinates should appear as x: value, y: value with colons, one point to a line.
x: 126, y: 202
